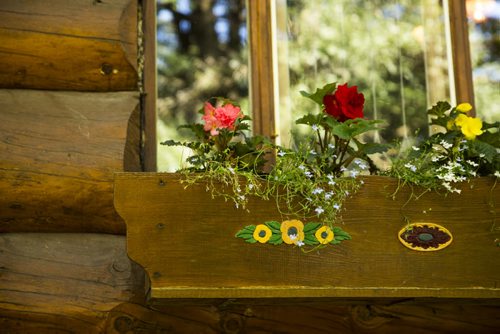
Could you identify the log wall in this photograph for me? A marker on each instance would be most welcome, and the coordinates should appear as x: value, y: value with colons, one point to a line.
x: 69, y: 119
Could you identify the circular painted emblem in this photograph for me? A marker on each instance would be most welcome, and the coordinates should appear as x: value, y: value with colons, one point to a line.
x: 425, y: 237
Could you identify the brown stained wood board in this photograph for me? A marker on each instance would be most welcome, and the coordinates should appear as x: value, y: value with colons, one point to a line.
x: 53, y: 283
x: 58, y: 153
x: 80, y: 45
x: 84, y: 283
x: 185, y: 241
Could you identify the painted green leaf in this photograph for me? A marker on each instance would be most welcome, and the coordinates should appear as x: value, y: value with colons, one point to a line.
x: 275, y: 239
x: 310, y: 240
x: 311, y: 227
x: 247, y: 230
x: 274, y: 226
x: 340, y: 234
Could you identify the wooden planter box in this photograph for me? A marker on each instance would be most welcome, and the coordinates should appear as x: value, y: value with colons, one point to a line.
x: 185, y: 241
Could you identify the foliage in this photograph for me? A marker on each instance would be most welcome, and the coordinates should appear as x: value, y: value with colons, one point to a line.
x: 466, y: 147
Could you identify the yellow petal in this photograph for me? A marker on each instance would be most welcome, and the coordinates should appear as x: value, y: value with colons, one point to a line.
x: 470, y: 126
x: 464, y: 107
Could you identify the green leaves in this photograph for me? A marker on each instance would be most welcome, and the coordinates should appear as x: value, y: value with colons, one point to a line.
x: 318, y: 95
x: 439, y: 109
x: 247, y: 234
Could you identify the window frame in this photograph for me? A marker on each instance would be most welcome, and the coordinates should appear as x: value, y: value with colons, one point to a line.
x: 262, y: 79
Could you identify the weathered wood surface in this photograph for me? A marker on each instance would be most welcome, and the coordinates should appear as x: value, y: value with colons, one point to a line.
x: 81, y: 45
x: 180, y: 236
x: 58, y: 153
x: 84, y: 283
x: 60, y: 283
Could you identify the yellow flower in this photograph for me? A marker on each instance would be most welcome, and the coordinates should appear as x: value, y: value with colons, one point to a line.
x: 470, y: 126
x: 464, y: 107
x: 292, y: 231
x: 450, y: 125
x: 262, y: 233
x: 324, y: 235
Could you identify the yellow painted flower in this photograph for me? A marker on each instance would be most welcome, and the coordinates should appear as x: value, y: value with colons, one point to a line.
x: 470, y: 126
x: 464, y: 107
x: 262, y: 233
x: 324, y: 235
x: 292, y: 231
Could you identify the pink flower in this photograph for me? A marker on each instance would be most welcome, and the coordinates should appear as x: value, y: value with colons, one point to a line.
x: 210, y: 119
x: 223, y: 117
x: 345, y: 103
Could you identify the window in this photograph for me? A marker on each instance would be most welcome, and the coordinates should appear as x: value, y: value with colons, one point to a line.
x: 483, y: 18
x: 413, y: 69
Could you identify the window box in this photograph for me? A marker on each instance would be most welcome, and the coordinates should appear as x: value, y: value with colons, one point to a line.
x: 186, y: 242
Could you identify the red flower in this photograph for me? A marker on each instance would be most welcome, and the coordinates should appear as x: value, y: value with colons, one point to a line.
x: 345, y: 103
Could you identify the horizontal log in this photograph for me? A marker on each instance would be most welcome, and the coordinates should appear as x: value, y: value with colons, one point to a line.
x: 54, y: 283
x: 58, y: 153
x: 68, y: 45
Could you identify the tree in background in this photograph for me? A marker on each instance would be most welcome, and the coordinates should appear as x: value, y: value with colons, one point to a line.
x: 201, y: 53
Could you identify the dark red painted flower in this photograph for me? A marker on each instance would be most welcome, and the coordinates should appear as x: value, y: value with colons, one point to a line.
x: 345, y: 103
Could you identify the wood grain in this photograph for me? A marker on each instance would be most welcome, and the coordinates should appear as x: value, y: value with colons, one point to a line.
x: 58, y: 153
x: 180, y: 235
x: 84, y: 283
x: 80, y: 45
x: 60, y: 283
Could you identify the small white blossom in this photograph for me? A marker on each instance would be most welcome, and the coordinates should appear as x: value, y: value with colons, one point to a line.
x: 317, y: 191
x: 328, y: 195
x: 315, y: 127
x: 445, y: 144
x: 360, y: 164
x: 231, y: 170
x: 411, y: 167
x: 250, y: 186
x: 472, y: 163
x: 292, y: 236
x: 336, y: 206
x: 481, y: 155
x: 281, y: 153
x: 308, y: 174
x: 331, y: 146
x: 302, y: 167
x: 354, y: 173
x: 313, y: 152
x: 415, y: 148
x: 436, y: 158
x: 343, y: 169
x: 300, y: 243
x: 319, y: 210
x: 497, y: 174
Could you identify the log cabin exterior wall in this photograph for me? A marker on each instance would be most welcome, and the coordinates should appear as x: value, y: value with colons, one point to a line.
x: 69, y: 119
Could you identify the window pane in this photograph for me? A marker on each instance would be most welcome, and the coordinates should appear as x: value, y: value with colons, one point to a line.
x: 201, y: 53
x: 484, y: 37
x: 394, y: 51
